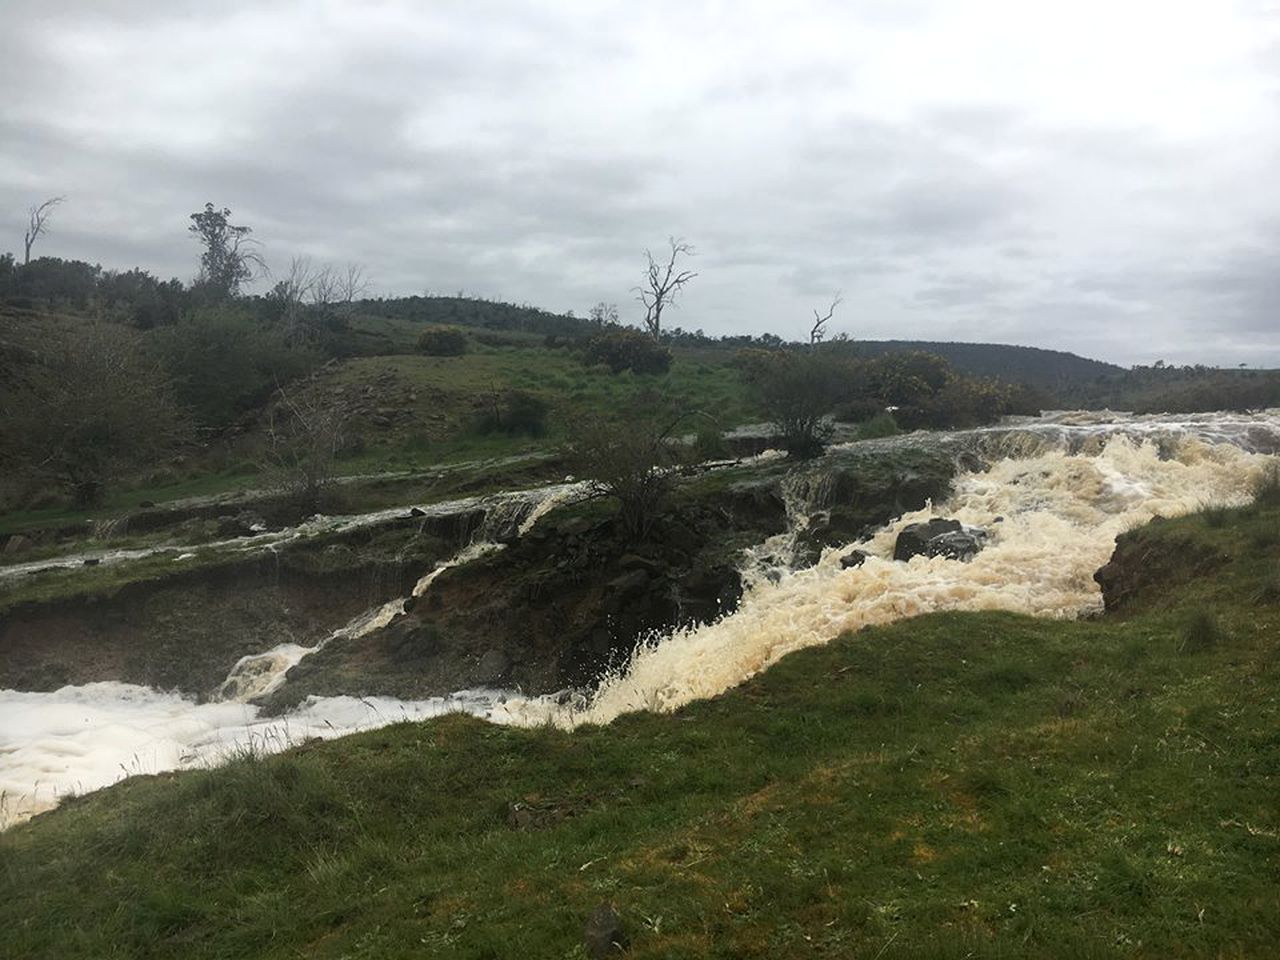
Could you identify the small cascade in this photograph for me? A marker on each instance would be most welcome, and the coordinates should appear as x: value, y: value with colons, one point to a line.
x: 259, y: 674
x: 506, y: 516
x: 805, y: 495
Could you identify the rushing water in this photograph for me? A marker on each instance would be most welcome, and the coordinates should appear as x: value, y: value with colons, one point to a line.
x: 1058, y: 491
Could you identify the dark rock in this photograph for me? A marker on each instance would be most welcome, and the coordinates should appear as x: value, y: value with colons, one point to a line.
x: 706, y: 593
x: 146, y: 504
x: 962, y: 545
x: 631, y: 582
x: 493, y: 666
x: 603, y: 935
x: 938, y: 538
x: 17, y: 544
x: 854, y: 558
x: 378, y: 420
x: 92, y: 562
x: 632, y: 561
x: 913, y: 540
x: 417, y: 512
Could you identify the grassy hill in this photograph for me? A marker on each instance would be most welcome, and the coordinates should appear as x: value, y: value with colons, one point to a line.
x: 979, y: 785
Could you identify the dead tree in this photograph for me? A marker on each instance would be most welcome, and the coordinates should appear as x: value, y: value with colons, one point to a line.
x: 819, y: 330
x: 662, y: 282
x: 38, y: 225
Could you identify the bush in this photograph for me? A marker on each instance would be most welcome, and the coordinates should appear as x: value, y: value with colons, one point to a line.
x: 442, y: 342
x: 304, y: 436
x: 515, y: 412
x: 881, y: 425
x: 708, y: 444
x: 622, y: 349
x: 224, y: 362
x: 85, y: 406
x: 630, y: 462
x: 798, y: 392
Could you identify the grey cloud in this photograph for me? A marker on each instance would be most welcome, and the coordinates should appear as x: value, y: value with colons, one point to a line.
x: 533, y: 153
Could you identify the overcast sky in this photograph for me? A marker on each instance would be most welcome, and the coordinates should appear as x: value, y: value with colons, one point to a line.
x: 1089, y: 175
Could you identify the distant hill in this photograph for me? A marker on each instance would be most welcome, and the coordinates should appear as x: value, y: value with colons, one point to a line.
x: 1050, y: 370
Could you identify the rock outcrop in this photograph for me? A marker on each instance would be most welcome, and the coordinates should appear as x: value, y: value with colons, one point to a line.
x: 939, y: 537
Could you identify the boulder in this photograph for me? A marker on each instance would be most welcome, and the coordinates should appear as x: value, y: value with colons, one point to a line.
x: 961, y: 545
x: 854, y: 558
x: 17, y: 544
x: 913, y: 540
x: 938, y: 537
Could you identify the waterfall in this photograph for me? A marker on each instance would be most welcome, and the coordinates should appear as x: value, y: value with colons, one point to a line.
x: 505, y: 515
x: 1052, y: 518
x: 1052, y: 511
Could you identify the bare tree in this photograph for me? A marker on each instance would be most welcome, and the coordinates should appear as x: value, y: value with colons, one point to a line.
x: 603, y: 314
x: 353, y: 284
x: 308, y: 292
x: 819, y: 330
x: 331, y: 287
x: 305, y: 433
x: 663, y: 280
x: 38, y: 225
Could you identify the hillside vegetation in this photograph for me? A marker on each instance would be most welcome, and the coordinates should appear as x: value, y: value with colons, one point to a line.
x: 959, y: 785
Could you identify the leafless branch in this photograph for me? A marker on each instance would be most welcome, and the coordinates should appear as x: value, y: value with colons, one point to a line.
x: 662, y: 282
x: 38, y: 225
x: 819, y: 330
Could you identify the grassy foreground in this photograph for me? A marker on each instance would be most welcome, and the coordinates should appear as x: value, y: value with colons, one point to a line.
x: 949, y: 786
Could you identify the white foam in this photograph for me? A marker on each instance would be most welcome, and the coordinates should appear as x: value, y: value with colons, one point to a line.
x: 81, y: 738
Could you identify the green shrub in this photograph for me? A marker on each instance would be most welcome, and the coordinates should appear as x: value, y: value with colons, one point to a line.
x: 708, y: 444
x: 224, y: 362
x: 621, y: 349
x: 515, y: 412
x: 881, y: 425
x: 797, y: 391
x: 442, y: 342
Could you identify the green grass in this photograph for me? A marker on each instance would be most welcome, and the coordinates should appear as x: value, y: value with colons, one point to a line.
x: 977, y: 785
x: 449, y: 389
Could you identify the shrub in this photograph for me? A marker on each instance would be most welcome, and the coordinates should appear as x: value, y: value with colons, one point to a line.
x: 442, y: 342
x: 305, y: 435
x: 515, y: 412
x: 881, y: 425
x: 223, y: 362
x: 797, y: 392
x: 708, y: 444
x: 85, y: 406
x: 630, y: 462
x: 623, y: 349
